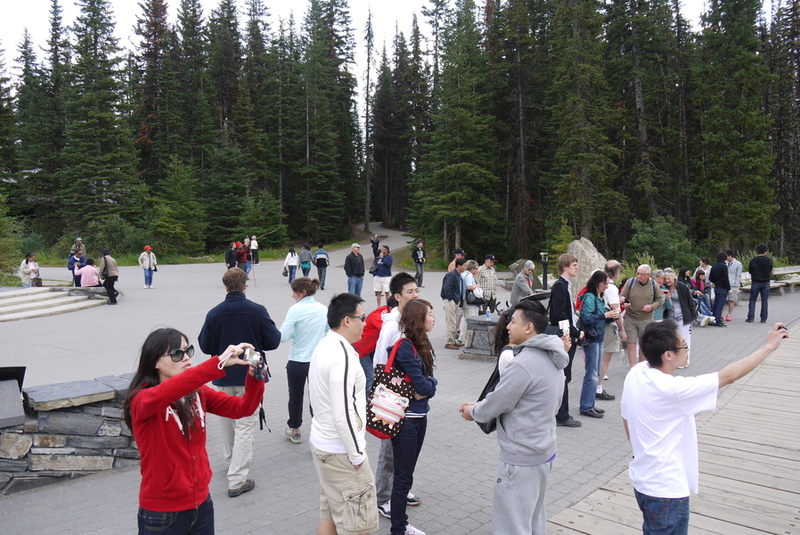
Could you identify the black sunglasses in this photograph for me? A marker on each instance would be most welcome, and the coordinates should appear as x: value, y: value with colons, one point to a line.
x: 362, y: 318
x: 177, y: 354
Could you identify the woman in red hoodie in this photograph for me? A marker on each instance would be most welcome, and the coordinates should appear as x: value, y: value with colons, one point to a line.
x: 166, y: 409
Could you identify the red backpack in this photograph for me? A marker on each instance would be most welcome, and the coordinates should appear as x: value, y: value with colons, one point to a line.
x: 579, y: 300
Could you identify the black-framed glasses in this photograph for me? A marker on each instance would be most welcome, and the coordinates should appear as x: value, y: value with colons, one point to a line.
x: 685, y: 346
x: 177, y: 354
x: 363, y: 317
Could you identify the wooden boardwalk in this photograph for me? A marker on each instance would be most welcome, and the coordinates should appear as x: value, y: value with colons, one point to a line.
x: 749, y: 463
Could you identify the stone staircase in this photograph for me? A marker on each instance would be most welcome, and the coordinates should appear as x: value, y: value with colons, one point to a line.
x: 39, y: 302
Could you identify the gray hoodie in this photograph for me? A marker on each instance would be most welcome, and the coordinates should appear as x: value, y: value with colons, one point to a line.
x: 526, y: 400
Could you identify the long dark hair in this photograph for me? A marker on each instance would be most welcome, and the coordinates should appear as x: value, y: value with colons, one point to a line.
x: 158, y: 343
x: 501, y: 331
x: 412, y: 323
x: 597, y: 278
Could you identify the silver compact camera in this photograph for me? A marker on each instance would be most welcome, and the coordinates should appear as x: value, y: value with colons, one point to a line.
x: 259, y: 361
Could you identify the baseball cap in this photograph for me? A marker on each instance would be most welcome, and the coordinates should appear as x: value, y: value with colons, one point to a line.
x: 490, y: 257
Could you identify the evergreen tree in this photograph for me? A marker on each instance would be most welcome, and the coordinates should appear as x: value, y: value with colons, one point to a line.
x: 43, y: 122
x: 583, y: 162
x: 289, y: 122
x: 158, y: 96
x: 457, y: 192
x: 196, y: 110
x: 225, y: 58
x: 784, y: 108
x: 178, y: 218
x: 733, y: 159
x: 98, y: 178
x: 8, y: 151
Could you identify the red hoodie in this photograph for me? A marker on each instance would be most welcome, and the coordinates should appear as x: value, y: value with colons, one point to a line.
x: 175, y: 468
x: 372, y: 331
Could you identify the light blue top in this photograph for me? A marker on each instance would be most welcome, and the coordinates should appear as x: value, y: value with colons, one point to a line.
x: 306, y: 323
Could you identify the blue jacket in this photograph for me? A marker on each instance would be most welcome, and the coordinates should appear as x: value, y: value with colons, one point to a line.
x: 73, y: 260
x: 452, y: 285
x: 233, y: 321
x: 593, y: 313
x: 406, y: 360
x: 384, y: 266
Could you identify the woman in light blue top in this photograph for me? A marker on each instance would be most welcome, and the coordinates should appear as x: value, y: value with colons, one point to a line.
x: 306, y: 324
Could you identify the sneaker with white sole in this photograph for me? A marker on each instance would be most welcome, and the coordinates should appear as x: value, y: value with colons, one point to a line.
x: 385, y: 510
x: 411, y: 530
x: 412, y: 500
x: 294, y: 437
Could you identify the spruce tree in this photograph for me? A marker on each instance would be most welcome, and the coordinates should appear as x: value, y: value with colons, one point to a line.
x: 732, y: 156
x: 783, y: 106
x: 8, y: 135
x: 98, y: 178
x: 178, y: 218
x: 457, y: 190
x: 583, y: 158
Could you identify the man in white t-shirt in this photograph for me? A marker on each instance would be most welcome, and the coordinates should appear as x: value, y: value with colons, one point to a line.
x: 658, y: 412
x: 615, y: 332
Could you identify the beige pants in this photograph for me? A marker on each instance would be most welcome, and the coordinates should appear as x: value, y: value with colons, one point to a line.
x: 238, y: 437
x: 452, y: 317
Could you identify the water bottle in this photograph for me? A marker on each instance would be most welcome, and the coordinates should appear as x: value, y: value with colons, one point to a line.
x: 488, y: 313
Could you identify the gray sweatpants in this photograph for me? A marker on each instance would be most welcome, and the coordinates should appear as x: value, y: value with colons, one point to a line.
x: 519, y: 499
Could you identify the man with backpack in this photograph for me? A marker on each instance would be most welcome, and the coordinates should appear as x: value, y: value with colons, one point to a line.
x: 643, y: 297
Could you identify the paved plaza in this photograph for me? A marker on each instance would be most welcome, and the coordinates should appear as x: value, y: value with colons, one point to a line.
x: 455, y: 473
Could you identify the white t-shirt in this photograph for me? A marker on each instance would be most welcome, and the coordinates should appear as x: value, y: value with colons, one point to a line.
x: 660, y: 411
x: 611, y: 294
x: 505, y: 358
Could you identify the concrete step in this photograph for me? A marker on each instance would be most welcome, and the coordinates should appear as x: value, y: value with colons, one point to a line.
x: 58, y: 299
x: 22, y: 293
x: 51, y: 311
x: 33, y: 297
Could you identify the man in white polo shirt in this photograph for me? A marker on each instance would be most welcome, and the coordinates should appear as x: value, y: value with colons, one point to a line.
x: 658, y: 412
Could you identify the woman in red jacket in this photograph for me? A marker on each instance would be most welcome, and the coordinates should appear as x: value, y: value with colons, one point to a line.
x: 166, y: 409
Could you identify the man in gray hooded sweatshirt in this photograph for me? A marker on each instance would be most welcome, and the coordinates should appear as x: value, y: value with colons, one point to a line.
x: 524, y: 402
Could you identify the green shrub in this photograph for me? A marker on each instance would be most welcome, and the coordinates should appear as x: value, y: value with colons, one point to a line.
x: 664, y: 240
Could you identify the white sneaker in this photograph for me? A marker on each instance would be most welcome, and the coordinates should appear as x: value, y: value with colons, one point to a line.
x: 411, y: 530
x: 705, y: 321
x: 150, y: 287
x: 385, y: 510
x: 145, y: 287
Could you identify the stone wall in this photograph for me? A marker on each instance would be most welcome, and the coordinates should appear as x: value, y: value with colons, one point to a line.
x: 71, y: 429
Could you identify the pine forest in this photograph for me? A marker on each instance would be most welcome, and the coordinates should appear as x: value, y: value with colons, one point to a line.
x: 500, y: 126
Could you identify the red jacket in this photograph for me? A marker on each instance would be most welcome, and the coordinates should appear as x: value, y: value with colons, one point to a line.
x: 175, y: 468
x: 372, y: 331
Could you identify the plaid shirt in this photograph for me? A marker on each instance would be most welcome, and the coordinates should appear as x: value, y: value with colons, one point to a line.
x: 487, y: 278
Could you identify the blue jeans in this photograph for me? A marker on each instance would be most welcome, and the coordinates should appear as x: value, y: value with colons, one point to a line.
x: 593, y: 354
x: 663, y: 516
x: 321, y: 274
x: 756, y: 289
x: 198, y: 521
x: 306, y: 270
x: 148, y: 277
x: 720, y: 298
x: 369, y: 370
x: 354, y: 285
x: 406, y: 446
x: 702, y: 307
x: 292, y: 271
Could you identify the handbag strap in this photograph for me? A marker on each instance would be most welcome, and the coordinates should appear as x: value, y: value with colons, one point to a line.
x: 395, y: 347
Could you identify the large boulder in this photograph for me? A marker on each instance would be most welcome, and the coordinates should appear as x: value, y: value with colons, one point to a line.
x: 589, y: 259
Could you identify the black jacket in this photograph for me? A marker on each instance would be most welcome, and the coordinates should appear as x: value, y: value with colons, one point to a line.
x: 354, y: 265
x: 451, y: 287
x: 561, y: 306
x: 231, y: 322
x: 687, y: 304
x: 230, y: 258
x: 719, y: 276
